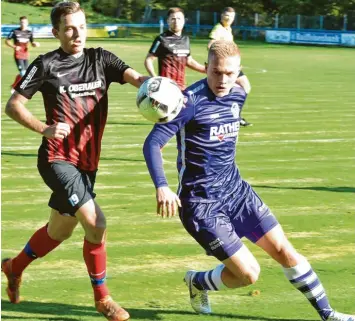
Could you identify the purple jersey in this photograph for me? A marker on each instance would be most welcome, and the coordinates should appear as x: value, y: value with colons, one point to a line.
x: 207, y: 133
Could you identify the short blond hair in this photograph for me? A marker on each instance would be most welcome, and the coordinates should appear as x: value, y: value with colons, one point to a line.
x: 223, y: 49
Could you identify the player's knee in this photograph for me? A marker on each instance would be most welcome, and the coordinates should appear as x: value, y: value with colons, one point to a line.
x: 252, y: 275
x: 95, y: 229
x: 59, y: 235
x: 248, y: 277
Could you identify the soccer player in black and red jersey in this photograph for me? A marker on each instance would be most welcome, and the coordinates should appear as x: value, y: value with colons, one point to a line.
x: 73, y: 81
x: 172, y: 49
x: 18, y: 39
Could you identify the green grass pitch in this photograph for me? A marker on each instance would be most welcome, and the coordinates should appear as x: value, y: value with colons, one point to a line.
x: 299, y: 156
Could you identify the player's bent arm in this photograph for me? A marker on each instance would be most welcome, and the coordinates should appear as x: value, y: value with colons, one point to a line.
x: 15, y: 109
x: 152, y: 154
x: 9, y: 43
x: 149, y: 64
x: 167, y: 200
x: 193, y: 64
x: 133, y: 77
x: 245, y: 83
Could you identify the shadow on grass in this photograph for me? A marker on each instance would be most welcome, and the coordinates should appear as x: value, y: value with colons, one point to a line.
x: 129, y: 124
x: 16, y: 154
x: 69, y: 312
x: 339, y: 189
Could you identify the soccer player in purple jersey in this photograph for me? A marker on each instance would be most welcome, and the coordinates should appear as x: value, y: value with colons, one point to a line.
x: 216, y: 206
x: 73, y: 81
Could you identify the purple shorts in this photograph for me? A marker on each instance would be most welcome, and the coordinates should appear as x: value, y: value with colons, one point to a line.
x: 219, y: 226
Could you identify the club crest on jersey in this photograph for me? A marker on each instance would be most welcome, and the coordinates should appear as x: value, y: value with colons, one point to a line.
x: 223, y: 131
x: 235, y: 110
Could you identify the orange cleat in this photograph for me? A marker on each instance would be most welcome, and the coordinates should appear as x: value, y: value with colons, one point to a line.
x: 13, y: 281
x: 111, y: 310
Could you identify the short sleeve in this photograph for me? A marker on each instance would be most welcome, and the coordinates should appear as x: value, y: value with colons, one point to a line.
x: 114, y: 67
x: 214, y: 33
x: 155, y: 47
x: 11, y: 35
x: 33, y: 80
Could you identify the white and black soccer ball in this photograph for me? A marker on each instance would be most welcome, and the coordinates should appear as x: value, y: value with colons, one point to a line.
x: 159, y: 99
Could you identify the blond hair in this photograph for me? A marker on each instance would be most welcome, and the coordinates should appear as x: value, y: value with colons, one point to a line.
x: 223, y: 49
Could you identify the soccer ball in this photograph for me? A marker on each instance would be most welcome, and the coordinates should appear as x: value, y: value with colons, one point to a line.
x: 159, y: 99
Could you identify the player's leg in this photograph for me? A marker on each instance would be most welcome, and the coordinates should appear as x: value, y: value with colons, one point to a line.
x: 300, y: 273
x: 94, y: 251
x: 43, y: 241
x: 213, y: 230
x: 20, y: 63
x: 87, y: 211
x: 25, y: 66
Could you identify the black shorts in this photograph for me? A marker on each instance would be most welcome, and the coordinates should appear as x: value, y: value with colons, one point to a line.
x: 22, y: 65
x: 71, y: 186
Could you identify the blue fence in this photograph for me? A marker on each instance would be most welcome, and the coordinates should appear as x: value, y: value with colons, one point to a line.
x: 274, y: 35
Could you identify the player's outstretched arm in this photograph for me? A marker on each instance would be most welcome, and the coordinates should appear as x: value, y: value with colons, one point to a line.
x: 149, y: 64
x: 15, y: 109
x: 244, y: 82
x: 134, y: 78
x: 194, y: 65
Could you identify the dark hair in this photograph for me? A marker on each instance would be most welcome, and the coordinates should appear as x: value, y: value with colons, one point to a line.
x: 228, y: 9
x: 174, y: 10
x: 23, y: 17
x: 63, y: 9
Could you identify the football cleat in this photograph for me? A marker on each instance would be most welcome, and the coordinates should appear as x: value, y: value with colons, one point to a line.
x: 13, y: 281
x: 337, y: 316
x: 243, y: 122
x: 111, y: 310
x: 198, y: 298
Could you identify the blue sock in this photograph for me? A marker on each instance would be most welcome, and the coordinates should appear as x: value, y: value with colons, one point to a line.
x: 209, y: 280
x: 305, y: 280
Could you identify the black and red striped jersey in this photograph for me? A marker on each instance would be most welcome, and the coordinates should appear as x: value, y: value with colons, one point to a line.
x: 172, y: 52
x: 21, y: 39
x: 74, y: 91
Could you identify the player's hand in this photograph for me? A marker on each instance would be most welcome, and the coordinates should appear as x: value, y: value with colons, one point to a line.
x: 167, y: 202
x: 36, y: 44
x: 17, y: 48
x: 57, y: 131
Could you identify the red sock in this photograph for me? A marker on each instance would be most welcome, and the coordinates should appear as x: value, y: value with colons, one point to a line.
x: 17, y: 80
x: 95, y: 260
x: 39, y: 245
